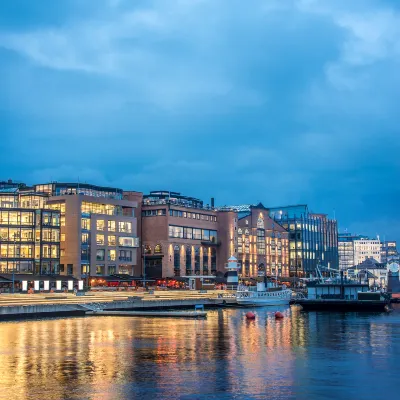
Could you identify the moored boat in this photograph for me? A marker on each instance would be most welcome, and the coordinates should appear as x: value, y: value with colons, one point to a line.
x: 261, y: 295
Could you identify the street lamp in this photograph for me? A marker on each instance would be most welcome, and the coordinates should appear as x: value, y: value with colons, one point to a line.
x: 15, y: 264
x: 144, y: 265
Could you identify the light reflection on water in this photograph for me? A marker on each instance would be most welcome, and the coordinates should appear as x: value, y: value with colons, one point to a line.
x: 303, y: 356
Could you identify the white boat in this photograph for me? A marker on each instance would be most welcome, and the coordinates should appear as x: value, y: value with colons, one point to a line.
x: 261, y: 296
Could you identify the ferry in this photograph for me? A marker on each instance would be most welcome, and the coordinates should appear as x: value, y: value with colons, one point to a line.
x: 261, y: 295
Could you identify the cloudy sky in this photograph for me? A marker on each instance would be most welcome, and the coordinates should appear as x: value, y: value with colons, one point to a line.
x: 284, y: 102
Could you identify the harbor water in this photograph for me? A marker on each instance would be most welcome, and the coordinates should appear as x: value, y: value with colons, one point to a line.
x: 302, y: 356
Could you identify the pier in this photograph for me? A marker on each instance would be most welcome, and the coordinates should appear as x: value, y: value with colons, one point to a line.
x: 16, y: 306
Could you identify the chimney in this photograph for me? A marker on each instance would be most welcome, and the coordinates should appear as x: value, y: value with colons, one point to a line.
x: 212, y: 202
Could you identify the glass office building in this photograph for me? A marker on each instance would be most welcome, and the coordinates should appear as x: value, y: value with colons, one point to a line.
x: 29, y: 237
x: 313, y: 239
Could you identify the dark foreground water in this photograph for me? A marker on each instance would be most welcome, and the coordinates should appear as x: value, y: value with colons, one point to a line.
x: 303, y: 356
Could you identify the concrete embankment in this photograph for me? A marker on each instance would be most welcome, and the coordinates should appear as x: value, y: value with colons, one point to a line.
x: 162, y: 314
x: 34, y: 307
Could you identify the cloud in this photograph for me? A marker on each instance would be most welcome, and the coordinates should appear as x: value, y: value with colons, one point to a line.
x: 280, y: 102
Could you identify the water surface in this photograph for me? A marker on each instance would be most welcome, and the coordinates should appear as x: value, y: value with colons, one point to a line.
x: 304, y: 356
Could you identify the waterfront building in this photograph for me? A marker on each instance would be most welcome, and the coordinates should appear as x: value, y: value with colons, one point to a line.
x: 181, y: 236
x: 263, y: 244
x: 369, y: 270
x: 366, y: 248
x: 98, y: 229
x: 389, y: 251
x: 355, y: 249
x: 29, y: 233
x: 313, y: 239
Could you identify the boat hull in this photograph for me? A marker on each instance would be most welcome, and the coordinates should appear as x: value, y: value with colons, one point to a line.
x: 264, y: 298
x: 343, y: 305
x: 262, y: 303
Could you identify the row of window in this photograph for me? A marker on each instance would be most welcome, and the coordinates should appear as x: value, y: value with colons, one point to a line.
x: 154, y: 213
x: 28, y: 218
x: 192, y: 233
x: 123, y: 255
x: 207, y: 261
x: 101, y: 225
x: 29, y: 251
x: 98, y: 208
x: 192, y: 215
x: 123, y: 241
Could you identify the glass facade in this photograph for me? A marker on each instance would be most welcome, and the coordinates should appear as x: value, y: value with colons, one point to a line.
x: 313, y: 240
x: 29, y: 241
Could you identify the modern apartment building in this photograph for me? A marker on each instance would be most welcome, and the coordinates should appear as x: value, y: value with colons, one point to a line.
x: 98, y: 234
x: 313, y: 239
x: 263, y: 244
x: 29, y: 233
x: 182, y: 237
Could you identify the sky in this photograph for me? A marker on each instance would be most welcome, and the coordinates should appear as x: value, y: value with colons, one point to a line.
x: 283, y: 102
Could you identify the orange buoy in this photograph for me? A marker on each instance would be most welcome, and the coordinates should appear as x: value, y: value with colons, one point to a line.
x: 250, y: 315
x: 278, y: 315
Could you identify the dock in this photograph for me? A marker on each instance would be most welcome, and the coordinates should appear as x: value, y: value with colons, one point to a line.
x: 162, y: 314
x: 18, y: 306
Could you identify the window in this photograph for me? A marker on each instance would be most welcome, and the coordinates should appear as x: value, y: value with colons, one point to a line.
x: 85, y: 269
x: 158, y: 249
x: 125, y: 227
x: 206, y: 234
x: 112, y: 255
x: 111, y: 226
x: 188, y: 233
x: 63, y: 237
x: 213, y: 236
x: 112, y: 240
x: 70, y: 269
x: 100, y: 225
x: 177, y: 258
x: 111, y: 269
x: 205, y: 261
x: 175, y: 231
x: 188, y: 260
x: 197, y: 260
x: 85, y: 238
x: 100, y: 254
x: 213, y: 261
x: 127, y: 242
x: 147, y: 249
x: 99, y: 269
x: 196, y: 234
x: 100, y: 240
x: 125, y: 255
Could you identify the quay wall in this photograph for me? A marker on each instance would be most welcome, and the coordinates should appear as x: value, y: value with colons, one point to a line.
x: 49, y: 310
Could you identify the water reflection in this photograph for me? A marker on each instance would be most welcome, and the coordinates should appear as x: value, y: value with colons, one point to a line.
x: 305, y: 355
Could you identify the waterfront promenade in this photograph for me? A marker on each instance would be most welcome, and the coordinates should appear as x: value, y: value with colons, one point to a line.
x: 24, y: 305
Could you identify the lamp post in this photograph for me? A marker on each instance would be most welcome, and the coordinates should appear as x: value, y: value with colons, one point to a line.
x: 144, y: 266
x: 15, y: 264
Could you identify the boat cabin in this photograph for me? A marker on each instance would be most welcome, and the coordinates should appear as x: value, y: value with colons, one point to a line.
x: 347, y: 291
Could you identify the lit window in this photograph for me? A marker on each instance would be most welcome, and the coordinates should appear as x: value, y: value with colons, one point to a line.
x: 100, y: 240
x: 111, y: 226
x: 100, y: 225
x: 112, y: 240
x: 125, y: 227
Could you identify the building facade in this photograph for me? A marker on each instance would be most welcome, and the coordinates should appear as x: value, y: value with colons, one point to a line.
x: 365, y: 248
x: 29, y: 234
x: 389, y: 251
x: 346, y: 250
x: 263, y: 244
x: 98, y: 234
x: 313, y: 239
x: 181, y: 236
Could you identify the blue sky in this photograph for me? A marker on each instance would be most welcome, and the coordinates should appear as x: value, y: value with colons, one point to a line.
x: 283, y: 102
